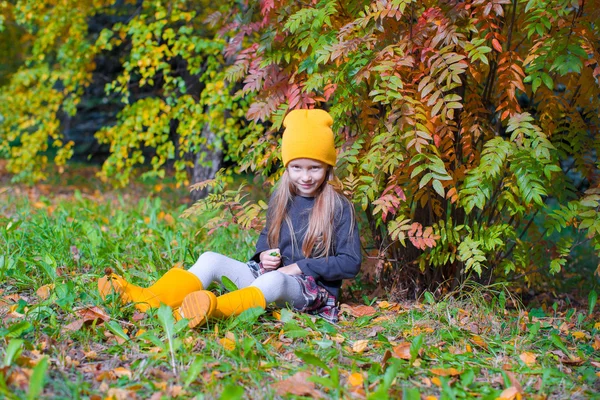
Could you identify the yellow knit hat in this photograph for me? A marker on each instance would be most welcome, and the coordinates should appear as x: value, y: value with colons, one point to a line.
x: 308, y: 134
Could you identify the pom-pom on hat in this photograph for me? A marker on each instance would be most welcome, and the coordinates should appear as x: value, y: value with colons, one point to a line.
x: 308, y: 134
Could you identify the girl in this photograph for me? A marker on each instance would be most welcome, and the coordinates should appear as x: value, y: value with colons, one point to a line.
x: 309, y: 244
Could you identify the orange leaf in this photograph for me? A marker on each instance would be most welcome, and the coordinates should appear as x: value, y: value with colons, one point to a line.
x: 44, y: 291
x: 362, y: 310
x: 528, y: 358
x: 512, y: 393
x: 356, y: 379
x: 445, y: 371
x: 402, y: 351
x: 496, y: 45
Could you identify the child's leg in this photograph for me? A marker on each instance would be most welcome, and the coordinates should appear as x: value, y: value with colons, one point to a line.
x: 272, y: 287
x: 281, y: 289
x: 211, y: 266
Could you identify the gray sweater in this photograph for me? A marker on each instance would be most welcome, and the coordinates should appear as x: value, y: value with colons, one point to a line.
x: 342, y: 263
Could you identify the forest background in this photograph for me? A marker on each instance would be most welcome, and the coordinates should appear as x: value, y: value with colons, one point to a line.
x: 468, y: 133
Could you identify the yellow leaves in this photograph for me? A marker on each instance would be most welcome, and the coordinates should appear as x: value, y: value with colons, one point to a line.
x: 580, y: 335
x: 228, y: 342
x: 528, y: 358
x: 360, y: 346
x: 478, y: 340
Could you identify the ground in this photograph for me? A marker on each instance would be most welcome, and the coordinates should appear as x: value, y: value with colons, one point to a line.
x: 59, y: 339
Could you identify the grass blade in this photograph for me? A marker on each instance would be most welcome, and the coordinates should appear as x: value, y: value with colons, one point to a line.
x: 36, y: 383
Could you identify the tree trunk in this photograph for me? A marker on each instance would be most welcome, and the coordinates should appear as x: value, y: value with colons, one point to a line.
x: 207, y: 161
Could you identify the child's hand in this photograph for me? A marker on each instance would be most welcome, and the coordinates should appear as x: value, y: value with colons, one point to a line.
x: 270, y: 259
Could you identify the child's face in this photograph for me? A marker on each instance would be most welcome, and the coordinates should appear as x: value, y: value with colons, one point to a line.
x: 307, y: 175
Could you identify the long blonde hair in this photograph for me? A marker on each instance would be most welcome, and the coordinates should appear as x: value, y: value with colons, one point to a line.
x: 319, y: 238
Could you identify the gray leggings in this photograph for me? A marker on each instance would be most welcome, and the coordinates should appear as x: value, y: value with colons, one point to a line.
x: 277, y: 287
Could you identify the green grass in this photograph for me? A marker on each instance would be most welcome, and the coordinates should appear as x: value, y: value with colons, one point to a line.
x: 464, y: 346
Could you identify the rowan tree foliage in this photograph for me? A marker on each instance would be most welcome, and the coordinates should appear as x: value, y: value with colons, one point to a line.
x: 469, y: 129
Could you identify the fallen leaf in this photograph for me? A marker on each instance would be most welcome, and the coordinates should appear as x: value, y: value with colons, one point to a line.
x: 478, y: 340
x: 87, y: 315
x: 356, y: 379
x: 362, y: 310
x: 528, y: 358
x: 445, y: 371
x: 595, y: 364
x: 510, y: 394
x: 227, y: 343
x: 338, y: 338
x: 402, y: 351
x: 121, y: 371
x: 579, y: 335
x: 596, y: 344
x: 436, y: 381
x: 297, y: 385
x: 359, y: 346
x: 44, y: 291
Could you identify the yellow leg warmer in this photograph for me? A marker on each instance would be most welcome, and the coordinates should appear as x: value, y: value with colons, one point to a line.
x: 199, y: 306
x: 170, y: 289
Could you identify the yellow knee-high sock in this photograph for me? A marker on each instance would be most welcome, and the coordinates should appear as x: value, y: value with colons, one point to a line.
x: 201, y: 305
x: 170, y: 289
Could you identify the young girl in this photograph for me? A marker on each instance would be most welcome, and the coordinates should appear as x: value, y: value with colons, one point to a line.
x: 309, y: 244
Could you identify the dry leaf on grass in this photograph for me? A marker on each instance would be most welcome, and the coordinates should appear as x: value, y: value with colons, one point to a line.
x: 528, y: 358
x: 512, y: 393
x: 359, y: 310
x: 445, y: 371
x: 359, y: 346
x: 44, y: 291
x: 87, y: 315
x: 297, y: 385
x: 402, y: 351
x: 356, y: 379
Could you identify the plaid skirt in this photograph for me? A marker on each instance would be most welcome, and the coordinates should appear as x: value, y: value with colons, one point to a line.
x: 318, y: 300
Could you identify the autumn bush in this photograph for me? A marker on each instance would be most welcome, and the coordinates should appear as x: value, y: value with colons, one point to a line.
x: 469, y: 130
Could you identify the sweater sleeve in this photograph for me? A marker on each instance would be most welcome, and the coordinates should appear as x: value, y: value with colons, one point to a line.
x: 345, y: 262
x: 261, y: 245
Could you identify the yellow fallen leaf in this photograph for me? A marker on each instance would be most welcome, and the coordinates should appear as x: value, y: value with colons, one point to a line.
x: 121, y: 371
x: 384, y: 304
x: 597, y: 326
x: 596, y: 344
x: 356, y: 379
x: 430, y: 398
x: 277, y: 315
x: 579, y: 335
x: 338, y: 338
x: 359, y: 346
x: 528, y: 358
x: 478, y: 340
x: 436, y: 381
x: 146, y: 220
x: 227, y: 343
